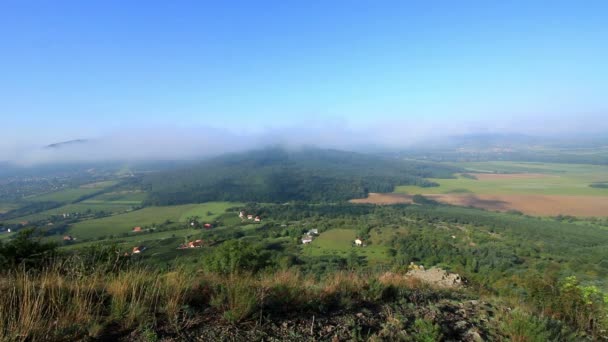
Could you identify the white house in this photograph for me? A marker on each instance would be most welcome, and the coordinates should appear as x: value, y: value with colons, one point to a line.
x: 242, y: 214
x: 250, y: 217
x: 358, y: 242
x: 313, y: 232
x: 306, y: 240
x: 257, y: 219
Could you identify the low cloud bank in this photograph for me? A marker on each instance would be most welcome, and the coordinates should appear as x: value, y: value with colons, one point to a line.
x: 178, y: 143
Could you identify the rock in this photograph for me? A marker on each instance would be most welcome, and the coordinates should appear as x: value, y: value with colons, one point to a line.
x: 436, y: 276
x: 473, y: 335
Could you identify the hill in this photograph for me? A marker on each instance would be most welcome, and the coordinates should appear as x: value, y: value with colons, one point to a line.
x: 276, y: 175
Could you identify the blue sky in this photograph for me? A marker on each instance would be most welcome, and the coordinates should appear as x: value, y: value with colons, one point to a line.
x: 73, y: 69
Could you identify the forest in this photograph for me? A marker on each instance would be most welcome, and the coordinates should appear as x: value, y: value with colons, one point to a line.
x: 277, y: 175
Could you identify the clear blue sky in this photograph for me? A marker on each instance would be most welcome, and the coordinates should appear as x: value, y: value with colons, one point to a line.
x: 89, y: 66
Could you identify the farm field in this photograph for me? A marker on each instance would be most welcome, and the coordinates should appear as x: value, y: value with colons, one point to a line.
x: 340, y: 242
x: 123, y: 197
x: 389, y: 198
x: 6, y: 207
x: 532, y: 188
x: 80, y: 207
x: 149, y: 216
x: 149, y: 239
x: 539, y: 205
x: 71, y: 194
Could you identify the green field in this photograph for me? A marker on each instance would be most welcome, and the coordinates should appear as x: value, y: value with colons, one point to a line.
x: 6, y: 235
x: 340, y: 242
x: 71, y: 194
x: 124, y: 197
x: 80, y: 208
x: 556, y: 179
x: 150, y: 239
x: 6, y: 207
x: 147, y: 217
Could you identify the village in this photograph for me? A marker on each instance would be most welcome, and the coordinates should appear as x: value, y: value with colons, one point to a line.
x: 195, y: 222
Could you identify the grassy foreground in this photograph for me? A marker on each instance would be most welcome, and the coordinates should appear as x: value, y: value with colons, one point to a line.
x: 64, y: 303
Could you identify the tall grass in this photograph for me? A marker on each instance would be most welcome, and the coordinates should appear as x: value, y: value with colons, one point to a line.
x: 63, y: 303
x: 50, y: 304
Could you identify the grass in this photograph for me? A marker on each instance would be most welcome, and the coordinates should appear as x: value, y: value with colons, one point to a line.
x: 6, y: 207
x: 560, y: 179
x: 149, y: 216
x: 120, y: 197
x: 6, y: 235
x: 340, y: 242
x: 81, y: 207
x: 71, y: 194
x: 62, y: 304
x: 148, y: 239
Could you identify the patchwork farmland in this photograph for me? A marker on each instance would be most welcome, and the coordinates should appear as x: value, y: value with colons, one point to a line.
x: 531, y: 188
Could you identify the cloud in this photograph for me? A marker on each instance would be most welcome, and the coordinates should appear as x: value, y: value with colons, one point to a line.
x: 166, y: 142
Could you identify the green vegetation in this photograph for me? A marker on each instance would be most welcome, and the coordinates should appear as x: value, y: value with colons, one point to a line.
x: 278, y: 176
x: 146, y: 218
x: 97, y: 292
x: 72, y: 194
x: 526, y: 278
x: 78, y: 208
x: 339, y: 243
x: 551, y: 179
x: 600, y: 185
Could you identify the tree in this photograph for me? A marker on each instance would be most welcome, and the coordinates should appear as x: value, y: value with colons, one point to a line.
x: 25, y: 249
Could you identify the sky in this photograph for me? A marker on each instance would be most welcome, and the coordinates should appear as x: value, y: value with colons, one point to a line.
x: 166, y: 73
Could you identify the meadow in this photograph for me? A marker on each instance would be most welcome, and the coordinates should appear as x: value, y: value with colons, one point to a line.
x: 532, y: 188
x: 147, y: 217
x: 339, y: 242
x: 71, y: 194
x: 504, y: 178
x: 80, y: 207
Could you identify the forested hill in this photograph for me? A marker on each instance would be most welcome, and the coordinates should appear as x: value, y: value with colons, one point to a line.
x: 276, y: 175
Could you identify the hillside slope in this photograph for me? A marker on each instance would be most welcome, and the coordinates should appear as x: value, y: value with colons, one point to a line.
x: 275, y: 175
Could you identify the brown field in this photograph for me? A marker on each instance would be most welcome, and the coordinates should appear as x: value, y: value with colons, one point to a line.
x: 499, y: 176
x: 390, y: 198
x: 538, y: 205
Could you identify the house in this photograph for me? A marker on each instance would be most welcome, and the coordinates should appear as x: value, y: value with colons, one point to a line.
x: 257, y: 219
x: 195, y: 244
x: 137, y: 229
x: 208, y: 225
x: 250, y: 217
x: 306, y: 240
x: 242, y: 214
x: 191, y: 244
x: 358, y: 242
x: 313, y: 232
x: 68, y: 238
x: 138, y: 249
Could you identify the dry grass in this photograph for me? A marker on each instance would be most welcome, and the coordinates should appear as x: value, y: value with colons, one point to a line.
x: 387, y: 198
x: 55, y: 305
x: 541, y: 205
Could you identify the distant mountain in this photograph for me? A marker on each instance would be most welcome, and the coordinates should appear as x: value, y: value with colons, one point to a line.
x: 276, y: 175
x: 67, y: 143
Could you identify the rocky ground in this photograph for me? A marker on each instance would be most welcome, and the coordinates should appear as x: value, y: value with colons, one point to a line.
x: 469, y: 320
